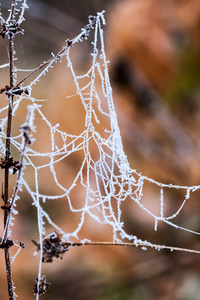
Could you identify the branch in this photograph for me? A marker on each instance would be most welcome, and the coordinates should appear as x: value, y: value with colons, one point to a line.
x: 69, y: 43
x: 54, y: 247
x: 153, y: 246
x: 6, y: 182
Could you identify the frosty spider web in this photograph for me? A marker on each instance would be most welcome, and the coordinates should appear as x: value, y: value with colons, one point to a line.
x: 104, y: 179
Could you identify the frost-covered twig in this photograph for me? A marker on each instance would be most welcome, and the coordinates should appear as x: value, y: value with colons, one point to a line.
x: 58, y: 56
x: 18, y: 166
x: 9, y: 28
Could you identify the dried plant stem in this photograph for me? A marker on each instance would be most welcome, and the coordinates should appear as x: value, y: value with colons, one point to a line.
x: 6, y: 202
x: 147, y: 245
x: 6, y: 178
x: 69, y: 43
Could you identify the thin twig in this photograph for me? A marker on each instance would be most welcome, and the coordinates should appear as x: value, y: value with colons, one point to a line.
x: 44, y: 64
x: 26, y: 140
x: 69, y: 43
x: 6, y: 179
x: 154, y: 246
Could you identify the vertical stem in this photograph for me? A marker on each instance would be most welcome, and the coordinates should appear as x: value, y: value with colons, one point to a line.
x: 6, y: 178
x: 9, y: 126
x: 9, y: 274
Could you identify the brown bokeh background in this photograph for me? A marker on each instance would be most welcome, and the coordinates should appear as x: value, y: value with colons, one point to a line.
x: 153, y: 47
